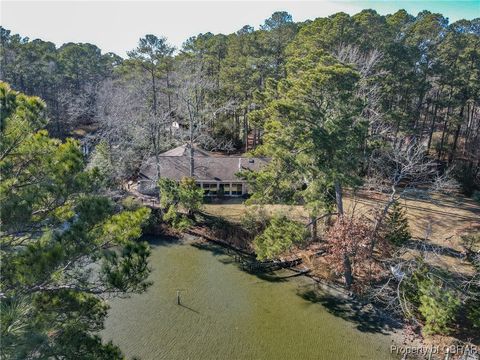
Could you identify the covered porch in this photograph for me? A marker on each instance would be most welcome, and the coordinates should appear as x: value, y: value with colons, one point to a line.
x: 222, y: 188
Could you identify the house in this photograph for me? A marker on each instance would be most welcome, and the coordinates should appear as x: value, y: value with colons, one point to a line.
x: 214, y: 173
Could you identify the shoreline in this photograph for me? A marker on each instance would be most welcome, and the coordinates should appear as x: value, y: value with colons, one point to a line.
x: 222, y: 306
x: 355, y: 305
x: 405, y: 342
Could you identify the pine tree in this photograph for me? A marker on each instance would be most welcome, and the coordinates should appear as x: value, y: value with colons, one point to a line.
x: 63, y: 245
x: 438, y: 306
x: 278, y: 237
x: 398, y: 232
x: 101, y: 160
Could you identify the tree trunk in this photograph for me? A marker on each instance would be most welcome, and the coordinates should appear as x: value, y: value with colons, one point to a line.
x: 192, y: 160
x: 154, y: 90
x: 168, y: 92
x: 467, y: 129
x: 245, y: 129
x: 381, y: 217
x: 432, y: 127
x: 313, y: 228
x: 339, y: 197
x: 444, y: 132
x: 157, y: 163
x: 425, y: 118
x: 191, y: 150
x: 451, y: 155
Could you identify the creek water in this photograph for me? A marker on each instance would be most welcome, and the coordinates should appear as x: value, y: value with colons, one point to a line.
x: 229, y: 314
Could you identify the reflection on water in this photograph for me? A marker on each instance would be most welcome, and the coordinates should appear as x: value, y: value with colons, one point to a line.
x: 228, y: 314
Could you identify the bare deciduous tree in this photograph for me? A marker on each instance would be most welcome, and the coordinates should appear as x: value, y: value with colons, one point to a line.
x: 195, y: 112
x: 128, y: 124
x: 404, y: 170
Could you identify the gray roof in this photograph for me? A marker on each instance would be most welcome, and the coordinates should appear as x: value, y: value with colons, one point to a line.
x: 206, y: 167
x: 183, y: 151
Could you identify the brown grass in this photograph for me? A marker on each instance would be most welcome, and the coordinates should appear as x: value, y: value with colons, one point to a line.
x: 443, y: 218
x: 440, y: 220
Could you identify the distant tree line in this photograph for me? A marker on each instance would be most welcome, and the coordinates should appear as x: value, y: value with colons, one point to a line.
x: 419, y: 75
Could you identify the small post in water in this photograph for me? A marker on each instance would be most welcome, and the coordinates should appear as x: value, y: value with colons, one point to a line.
x: 178, y: 297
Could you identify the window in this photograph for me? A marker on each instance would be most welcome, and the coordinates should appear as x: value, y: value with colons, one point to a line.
x: 213, y: 189
x: 237, y: 189
x: 210, y: 189
x: 226, y: 189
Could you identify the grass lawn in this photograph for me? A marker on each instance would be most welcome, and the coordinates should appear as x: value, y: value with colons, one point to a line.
x: 437, y: 221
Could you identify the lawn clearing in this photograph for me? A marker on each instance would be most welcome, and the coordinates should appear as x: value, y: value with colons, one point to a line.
x: 438, y: 221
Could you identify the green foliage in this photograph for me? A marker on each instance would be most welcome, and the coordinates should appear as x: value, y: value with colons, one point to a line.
x: 178, y: 221
x: 169, y: 193
x: 471, y: 244
x: 473, y: 312
x: 280, y: 234
x: 64, y: 322
x: 469, y: 181
x: 185, y: 194
x: 427, y: 66
x: 476, y: 196
x: 65, y: 77
x: 319, y: 97
x: 314, y: 133
x: 102, y: 162
x: 62, y: 244
x: 319, y: 196
x: 438, y: 306
x: 255, y: 220
x: 396, y: 224
x: 190, y: 195
x: 175, y: 196
x: 131, y: 203
x: 127, y: 271
x: 170, y: 215
x: 152, y: 49
x: 430, y: 297
x: 153, y: 56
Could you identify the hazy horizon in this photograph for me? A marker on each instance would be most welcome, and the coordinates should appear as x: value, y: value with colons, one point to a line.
x: 116, y: 26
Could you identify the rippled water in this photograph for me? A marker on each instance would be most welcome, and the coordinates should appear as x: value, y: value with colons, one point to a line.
x: 229, y: 314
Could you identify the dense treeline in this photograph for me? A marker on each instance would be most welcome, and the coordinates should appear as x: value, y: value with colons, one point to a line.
x: 66, y: 78
x: 390, y: 102
x: 421, y: 76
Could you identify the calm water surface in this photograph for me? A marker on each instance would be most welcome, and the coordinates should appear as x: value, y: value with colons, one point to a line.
x: 229, y: 314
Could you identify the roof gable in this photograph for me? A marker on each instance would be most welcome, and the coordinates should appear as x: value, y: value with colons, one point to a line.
x: 206, y: 168
x: 183, y: 151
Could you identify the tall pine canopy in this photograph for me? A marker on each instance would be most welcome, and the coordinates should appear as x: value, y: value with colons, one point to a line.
x: 314, y: 131
x: 63, y: 246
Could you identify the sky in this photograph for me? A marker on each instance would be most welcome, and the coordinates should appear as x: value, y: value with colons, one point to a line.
x: 116, y: 26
